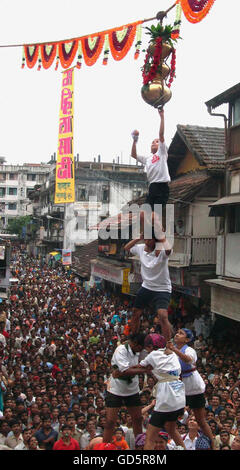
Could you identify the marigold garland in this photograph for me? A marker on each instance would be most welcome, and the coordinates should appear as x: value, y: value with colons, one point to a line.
x: 196, y: 10
x: 92, y: 54
x: 48, y: 54
x: 66, y: 58
x: 119, y: 49
x: 31, y: 55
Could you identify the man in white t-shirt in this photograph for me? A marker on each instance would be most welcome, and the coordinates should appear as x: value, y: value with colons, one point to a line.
x: 156, y: 286
x: 157, y: 175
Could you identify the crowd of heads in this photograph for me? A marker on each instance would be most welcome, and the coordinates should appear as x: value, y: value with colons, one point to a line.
x: 56, y: 345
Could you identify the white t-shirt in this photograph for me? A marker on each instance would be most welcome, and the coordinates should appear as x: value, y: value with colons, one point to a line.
x: 156, y: 165
x: 154, y: 269
x: 194, y: 384
x: 124, y: 358
x: 170, y: 395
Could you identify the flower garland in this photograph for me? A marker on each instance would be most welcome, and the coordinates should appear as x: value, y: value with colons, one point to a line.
x: 48, y: 54
x: 92, y: 48
x: 139, y: 41
x: 150, y: 69
x: 173, y: 68
x: 117, y: 40
x: 177, y: 22
x: 120, y: 47
x: 31, y: 55
x: 196, y: 10
x: 67, y: 51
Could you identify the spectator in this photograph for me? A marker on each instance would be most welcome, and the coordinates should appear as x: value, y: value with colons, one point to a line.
x: 46, y: 436
x: 119, y: 441
x: 66, y: 442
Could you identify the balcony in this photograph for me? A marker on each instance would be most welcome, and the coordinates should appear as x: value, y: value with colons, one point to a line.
x: 189, y: 250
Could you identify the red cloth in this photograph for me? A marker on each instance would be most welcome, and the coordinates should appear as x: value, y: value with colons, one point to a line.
x: 60, y: 445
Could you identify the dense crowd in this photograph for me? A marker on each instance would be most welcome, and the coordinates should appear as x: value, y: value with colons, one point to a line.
x: 56, y: 344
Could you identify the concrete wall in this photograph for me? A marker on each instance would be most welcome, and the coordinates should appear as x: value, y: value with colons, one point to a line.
x: 225, y: 302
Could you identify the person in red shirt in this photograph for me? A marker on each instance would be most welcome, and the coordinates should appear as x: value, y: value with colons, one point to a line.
x: 119, y: 441
x: 66, y: 442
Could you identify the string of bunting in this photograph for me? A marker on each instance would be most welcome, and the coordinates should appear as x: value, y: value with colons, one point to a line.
x: 196, y: 10
x: 118, y: 41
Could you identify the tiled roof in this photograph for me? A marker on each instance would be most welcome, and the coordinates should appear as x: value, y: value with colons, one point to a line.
x: 206, y: 143
x: 185, y: 187
x: 82, y: 258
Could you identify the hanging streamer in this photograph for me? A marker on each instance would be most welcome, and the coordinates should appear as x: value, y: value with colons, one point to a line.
x: 196, y: 10
x: 67, y: 52
x: 65, y: 179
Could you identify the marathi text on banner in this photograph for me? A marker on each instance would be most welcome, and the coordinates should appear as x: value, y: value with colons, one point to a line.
x: 65, y: 177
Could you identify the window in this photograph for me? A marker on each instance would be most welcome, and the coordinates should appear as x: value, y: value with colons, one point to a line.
x: 13, y: 176
x: 29, y: 191
x: 105, y: 194
x: 12, y: 206
x: 236, y: 112
x: 2, y: 192
x: 12, y: 191
x: 2, y: 176
x: 31, y: 177
x: 234, y: 219
x: 137, y: 193
x: 82, y: 193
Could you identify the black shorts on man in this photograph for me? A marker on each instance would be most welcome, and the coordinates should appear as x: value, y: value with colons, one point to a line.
x: 159, y: 299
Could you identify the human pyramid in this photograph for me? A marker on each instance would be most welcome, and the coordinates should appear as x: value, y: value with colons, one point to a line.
x: 170, y: 360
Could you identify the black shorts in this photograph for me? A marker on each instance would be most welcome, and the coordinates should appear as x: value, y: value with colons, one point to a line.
x: 196, y: 401
x: 145, y: 297
x: 158, y: 193
x: 159, y: 418
x: 116, y: 401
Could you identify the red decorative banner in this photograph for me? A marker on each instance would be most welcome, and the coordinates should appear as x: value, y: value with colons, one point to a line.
x: 196, y: 10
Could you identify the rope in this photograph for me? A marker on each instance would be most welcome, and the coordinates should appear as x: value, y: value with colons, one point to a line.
x: 86, y: 36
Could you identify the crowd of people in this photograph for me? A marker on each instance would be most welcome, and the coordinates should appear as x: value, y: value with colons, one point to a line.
x: 57, y: 341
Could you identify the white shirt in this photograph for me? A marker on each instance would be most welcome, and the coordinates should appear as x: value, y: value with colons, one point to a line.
x: 124, y: 358
x: 154, y: 269
x: 170, y: 394
x: 194, y: 384
x: 156, y: 165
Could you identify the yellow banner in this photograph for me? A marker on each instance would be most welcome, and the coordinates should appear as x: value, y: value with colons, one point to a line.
x: 125, y: 284
x: 65, y: 179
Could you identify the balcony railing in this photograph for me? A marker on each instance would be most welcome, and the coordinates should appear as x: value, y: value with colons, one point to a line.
x: 189, y: 250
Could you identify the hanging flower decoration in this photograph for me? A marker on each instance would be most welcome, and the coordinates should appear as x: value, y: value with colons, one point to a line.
x: 138, y: 41
x: 121, y: 40
x: 118, y: 41
x: 67, y: 52
x: 106, y: 50
x: 173, y: 69
x: 152, y: 62
x: 48, y: 54
x: 31, y: 55
x: 196, y: 10
x: 92, y: 48
x: 177, y: 22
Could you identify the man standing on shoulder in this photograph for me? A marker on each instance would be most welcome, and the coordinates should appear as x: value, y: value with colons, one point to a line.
x: 156, y: 286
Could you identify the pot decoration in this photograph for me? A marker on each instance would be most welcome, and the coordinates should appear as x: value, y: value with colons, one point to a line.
x: 157, y: 74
